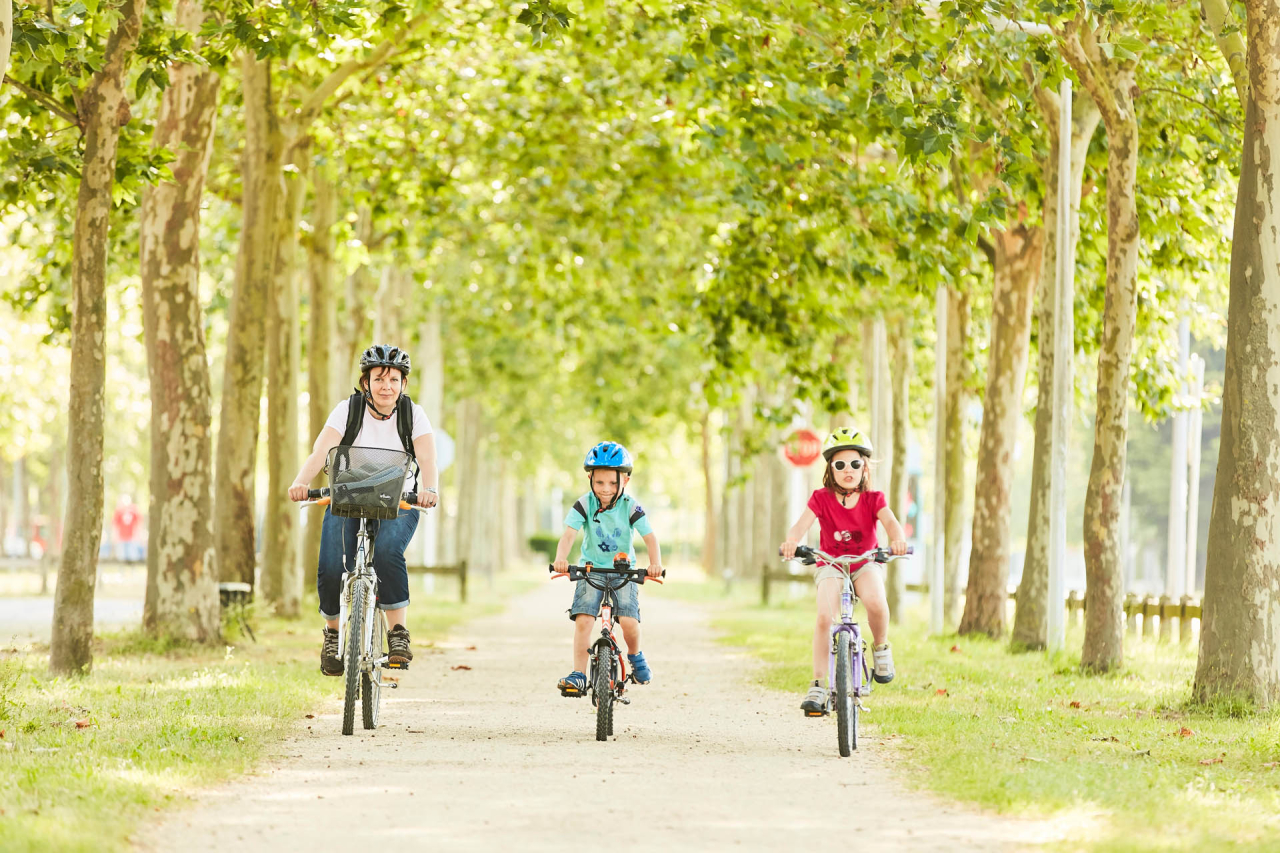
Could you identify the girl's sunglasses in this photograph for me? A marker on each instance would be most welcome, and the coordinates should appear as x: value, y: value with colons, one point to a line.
x: 840, y: 464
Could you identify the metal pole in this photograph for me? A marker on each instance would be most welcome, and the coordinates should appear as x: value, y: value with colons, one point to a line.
x: 937, y: 560
x: 1195, y: 433
x: 1175, y: 566
x: 1063, y: 382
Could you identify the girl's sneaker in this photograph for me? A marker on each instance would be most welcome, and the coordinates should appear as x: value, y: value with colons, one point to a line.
x: 573, y: 684
x: 640, y: 668
x: 815, y: 703
x: 882, y: 655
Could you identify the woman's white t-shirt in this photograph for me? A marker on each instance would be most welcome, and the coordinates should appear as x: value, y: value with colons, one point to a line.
x: 378, y: 433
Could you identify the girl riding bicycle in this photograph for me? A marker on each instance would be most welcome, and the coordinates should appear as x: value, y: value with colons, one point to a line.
x: 847, y: 511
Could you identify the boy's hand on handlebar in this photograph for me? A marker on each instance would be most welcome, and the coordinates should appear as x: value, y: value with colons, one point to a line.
x: 298, y: 492
x: 561, y: 566
x: 788, y: 549
x: 655, y: 570
x: 898, y: 547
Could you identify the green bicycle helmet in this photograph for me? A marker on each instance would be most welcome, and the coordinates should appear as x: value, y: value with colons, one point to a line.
x: 845, y: 438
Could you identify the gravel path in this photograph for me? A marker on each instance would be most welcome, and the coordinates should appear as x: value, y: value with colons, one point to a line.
x: 492, y: 757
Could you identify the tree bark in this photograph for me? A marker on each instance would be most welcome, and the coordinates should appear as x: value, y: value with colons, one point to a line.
x: 6, y: 36
x: 1217, y: 15
x: 709, y: 530
x: 353, y: 320
x: 104, y: 108
x: 468, y: 526
x: 429, y: 393
x: 234, y: 506
x: 182, y: 592
x: 1030, y: 626
x: 901, y: 357
x: 321, y: 268
x: 1017, y: 266
x: 957, y: 455
x: 1240, y: 637
x: 281, y: 572
x: 1111, y: 84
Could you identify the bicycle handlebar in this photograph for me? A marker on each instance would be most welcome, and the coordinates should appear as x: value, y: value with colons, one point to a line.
x: 320, y: 497
x: 577, y: 573
x: 809, y: 556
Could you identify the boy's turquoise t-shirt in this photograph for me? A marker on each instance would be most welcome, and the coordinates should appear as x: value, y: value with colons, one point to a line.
x: 608, y: 532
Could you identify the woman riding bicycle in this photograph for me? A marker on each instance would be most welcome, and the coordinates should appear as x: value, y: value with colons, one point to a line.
x: 847, y: 511
x: 379, y: 414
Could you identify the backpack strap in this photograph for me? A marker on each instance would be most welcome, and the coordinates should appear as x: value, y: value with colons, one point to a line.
x: 355, y: 418
x: 404, y: 423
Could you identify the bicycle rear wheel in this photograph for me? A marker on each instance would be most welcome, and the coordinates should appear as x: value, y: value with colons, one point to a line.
x: 371, y: 682
x: 846, y: 708
x: 604, y: 691
x: 355, y: 640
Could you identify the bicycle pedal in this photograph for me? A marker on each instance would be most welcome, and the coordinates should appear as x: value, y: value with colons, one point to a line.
x: 822, y: 713
x: 624, y: 700
x: 390, y: 665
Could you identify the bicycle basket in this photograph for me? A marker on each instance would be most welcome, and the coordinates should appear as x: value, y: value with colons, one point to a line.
x: 367, y: 482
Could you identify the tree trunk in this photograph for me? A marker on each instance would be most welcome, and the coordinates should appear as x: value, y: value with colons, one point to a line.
x: 1111, y: 84
x: 709, y: 530
x: 763, y: 504
x: 1222, y: 23
x: 957, y: 453
x: 728, y: 526
x: 1030, y: 628
x: 353, y: 321
x: 429, y: 393
x: 848, y: 348
x: 901, y: 352
x: 744, y: 531
x: 1240, y: 637
x: 281, y: 574
x: 468, y: 527
x: 104, y: 107
x: 321, y: 268
x: 1017, y: 265
x: 182, y: 592
x: 234, y: 509
x: 6, y: 36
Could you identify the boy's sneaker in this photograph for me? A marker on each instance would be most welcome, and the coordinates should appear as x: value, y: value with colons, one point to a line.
x: 573, y: 684
x: 815, y: 703
x: 640, y: 668
x: 399, y: 653
x: 330, y: 662
x: 882, y: 655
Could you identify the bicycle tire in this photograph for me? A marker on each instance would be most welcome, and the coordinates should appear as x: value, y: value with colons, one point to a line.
x: 846, y: 713
x: 355, y: 635
x: 370, y: 682
x: 604, y: 692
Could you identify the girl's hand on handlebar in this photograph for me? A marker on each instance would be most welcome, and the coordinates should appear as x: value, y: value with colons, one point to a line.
x: 655, y: 570
x: 561, y: 566
x: 298, y: 492
x: 788, y: 549
x: 898, y: 547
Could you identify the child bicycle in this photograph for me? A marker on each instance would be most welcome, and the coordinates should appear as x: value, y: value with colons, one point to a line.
x: 607, y: 674
x: 848, y: 673
x: 362, y: 489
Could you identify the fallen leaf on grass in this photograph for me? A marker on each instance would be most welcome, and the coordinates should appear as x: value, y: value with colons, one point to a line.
x: 311, y: 716
x: 1075, y: 703
x: 1185, y: 732
x: 955, y: 648
x: 460, y: 666
x: 1108, y: 739
x: 1211, y: 761
x: 942, y: 691
x: 471, y: 648
x: 84, y: 724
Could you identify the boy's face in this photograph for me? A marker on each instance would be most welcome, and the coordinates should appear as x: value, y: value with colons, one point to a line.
x: 606, y: 483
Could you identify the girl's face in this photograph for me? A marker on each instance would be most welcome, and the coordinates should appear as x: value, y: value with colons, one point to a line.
x: 385, y: 384
x: 847, y: 476
x: 606, y: 484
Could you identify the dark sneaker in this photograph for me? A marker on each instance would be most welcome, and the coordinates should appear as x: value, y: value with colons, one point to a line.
x: 330, y: 662
x: 815, y: 703
x: 398, y: 641
x: 573, y: 684
x: 640, y: 668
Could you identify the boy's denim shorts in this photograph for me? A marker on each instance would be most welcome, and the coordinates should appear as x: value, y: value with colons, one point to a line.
x: 587, y: 600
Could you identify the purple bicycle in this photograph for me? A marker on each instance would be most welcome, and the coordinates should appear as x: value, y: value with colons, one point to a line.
x: 848, y: 672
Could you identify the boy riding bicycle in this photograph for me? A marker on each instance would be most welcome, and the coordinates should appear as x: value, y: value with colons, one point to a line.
x: 378, y: 414
x: 847, y: 511
x: 609, y: 518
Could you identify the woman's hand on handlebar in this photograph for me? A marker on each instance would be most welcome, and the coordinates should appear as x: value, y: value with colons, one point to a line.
x: 788, y: 549
x: 561, y: 566
x: 427, y: 499
x: 298, y: 492
x: 898, y: 547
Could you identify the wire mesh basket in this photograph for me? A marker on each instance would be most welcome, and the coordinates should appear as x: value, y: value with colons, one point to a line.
x: 367, y: 482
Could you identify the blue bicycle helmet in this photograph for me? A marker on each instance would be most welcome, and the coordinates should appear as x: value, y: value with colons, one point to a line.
x: 608, y: 454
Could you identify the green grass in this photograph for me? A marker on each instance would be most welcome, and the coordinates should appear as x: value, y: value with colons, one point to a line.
x: 160, y: 720
x: 1021, y: 734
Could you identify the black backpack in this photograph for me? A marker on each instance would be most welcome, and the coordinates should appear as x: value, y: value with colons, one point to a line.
x: 404, y: 422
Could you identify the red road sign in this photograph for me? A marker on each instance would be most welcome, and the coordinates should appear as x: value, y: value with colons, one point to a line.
x: 803, y: 448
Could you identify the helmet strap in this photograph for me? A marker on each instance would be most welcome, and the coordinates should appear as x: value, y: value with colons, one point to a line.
x: 372, y: 409
x: 616, y: 497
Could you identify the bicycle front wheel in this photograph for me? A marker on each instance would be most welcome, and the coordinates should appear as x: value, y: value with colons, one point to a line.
x: 846, y: 709
x: 355, y: 642
x: 604, y: 691
x: 371, y: 681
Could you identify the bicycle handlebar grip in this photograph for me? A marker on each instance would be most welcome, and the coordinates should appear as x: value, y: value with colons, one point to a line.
x: 316, y: 494
x: 804, y: 551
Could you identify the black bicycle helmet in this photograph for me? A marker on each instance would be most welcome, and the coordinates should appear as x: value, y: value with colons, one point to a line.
x: 385, y: 355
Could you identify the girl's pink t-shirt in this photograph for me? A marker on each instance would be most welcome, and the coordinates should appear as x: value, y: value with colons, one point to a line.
x: 846, y: 530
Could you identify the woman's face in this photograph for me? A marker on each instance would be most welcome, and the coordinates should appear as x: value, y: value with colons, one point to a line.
x: 847, y: 477
x: 385, y: 385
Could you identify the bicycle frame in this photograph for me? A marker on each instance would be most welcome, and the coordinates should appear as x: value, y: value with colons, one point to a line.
x: 363, y: 572
x: 857, y: 662
x: 607, y: 605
